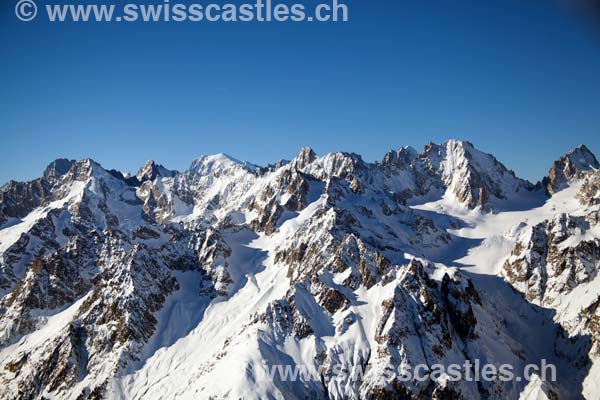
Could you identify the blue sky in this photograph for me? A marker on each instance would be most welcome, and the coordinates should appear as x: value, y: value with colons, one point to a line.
x: 518, y: 78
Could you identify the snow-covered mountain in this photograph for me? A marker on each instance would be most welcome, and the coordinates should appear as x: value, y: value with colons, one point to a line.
x: 168, y: 284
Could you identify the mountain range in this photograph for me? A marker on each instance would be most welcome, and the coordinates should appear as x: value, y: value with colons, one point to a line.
x: 168, y: 284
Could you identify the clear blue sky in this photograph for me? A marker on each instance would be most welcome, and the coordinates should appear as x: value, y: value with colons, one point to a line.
x: 518, y: 78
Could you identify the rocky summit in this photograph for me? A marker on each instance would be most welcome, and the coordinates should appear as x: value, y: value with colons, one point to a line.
x: 189, y: 285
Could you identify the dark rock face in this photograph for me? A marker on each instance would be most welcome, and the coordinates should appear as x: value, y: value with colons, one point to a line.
x: 333, y: 300
x: 543, y: 268
x: 57, y: 169
x: 18, y: 199
x: 589, y: 194
x: 460, y: 295
x: 402, y: 158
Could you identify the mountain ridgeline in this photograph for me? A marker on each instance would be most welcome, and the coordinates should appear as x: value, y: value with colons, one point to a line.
x: 168, y: 284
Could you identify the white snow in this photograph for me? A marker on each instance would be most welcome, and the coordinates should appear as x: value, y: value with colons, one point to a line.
x: 534, y: 390
x: 499, y: 232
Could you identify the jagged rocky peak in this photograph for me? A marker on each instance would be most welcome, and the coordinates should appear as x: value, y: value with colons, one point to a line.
x: 339, y: 164
x: 432, y: 148
x: 152, y: 170
x: 475, y: 178
x: 342, y: 165
x: 58, y: 168
x: 81, y: 170
x: 454, y: 155
x: 17, y: 199
x: 304, y: 158
x: 571, y: 166
x: 400, y: 158
x: 583, y: 158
